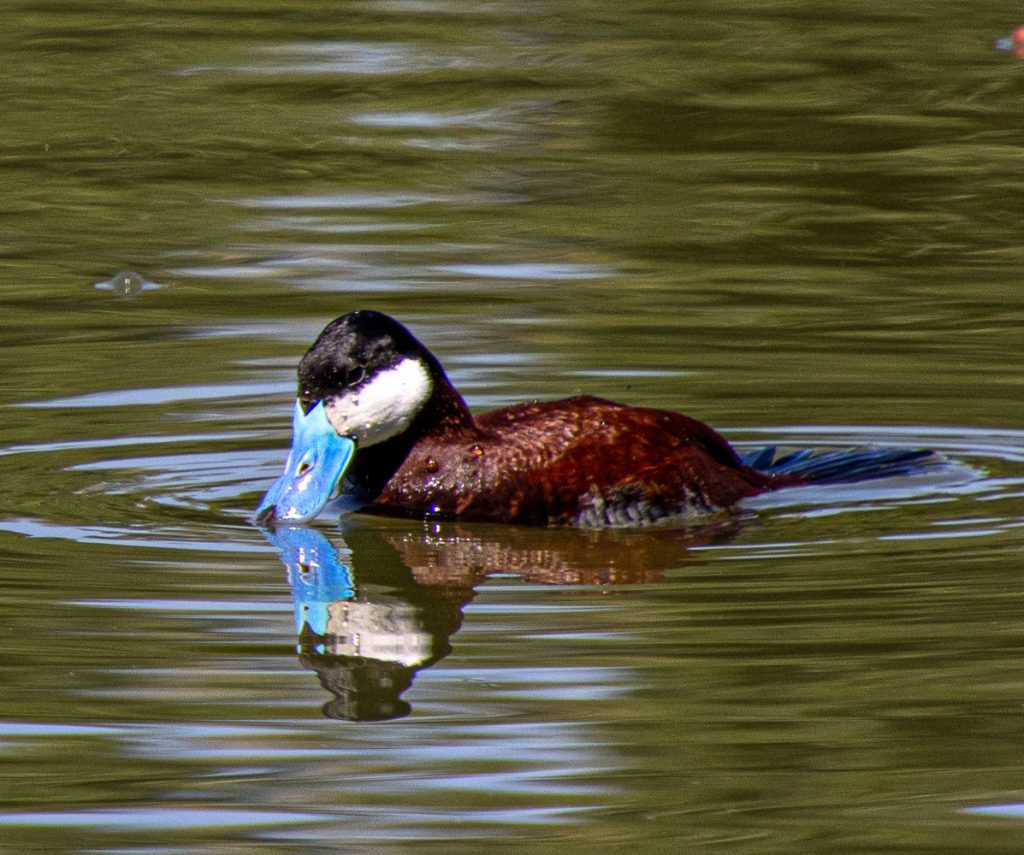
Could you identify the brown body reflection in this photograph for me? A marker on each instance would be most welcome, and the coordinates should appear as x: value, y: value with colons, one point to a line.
x: 463, y: 554
x: 374, y: 608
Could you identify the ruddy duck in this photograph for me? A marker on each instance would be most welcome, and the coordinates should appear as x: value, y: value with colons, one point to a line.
x: 377, y: 416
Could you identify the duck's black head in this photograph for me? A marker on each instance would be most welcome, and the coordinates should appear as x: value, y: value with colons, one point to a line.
x: 372, y: 374
x: 366, y: 380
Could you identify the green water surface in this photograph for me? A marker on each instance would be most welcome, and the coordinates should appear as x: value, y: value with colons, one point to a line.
x: 800, y: 222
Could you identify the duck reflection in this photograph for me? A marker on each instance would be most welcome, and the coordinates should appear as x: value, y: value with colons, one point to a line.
x: 367, y: 634
x: 364, y: 640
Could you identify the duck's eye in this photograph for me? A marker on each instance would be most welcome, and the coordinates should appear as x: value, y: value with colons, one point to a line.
x: 354, y: 376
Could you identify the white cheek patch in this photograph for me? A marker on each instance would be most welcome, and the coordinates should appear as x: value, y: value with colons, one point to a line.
x: 384, y: 406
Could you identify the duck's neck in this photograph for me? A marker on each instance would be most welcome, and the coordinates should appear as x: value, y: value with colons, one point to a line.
x: 445, y: 413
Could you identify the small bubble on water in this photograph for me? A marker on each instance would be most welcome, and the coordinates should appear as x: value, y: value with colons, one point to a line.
x: 127, y: 284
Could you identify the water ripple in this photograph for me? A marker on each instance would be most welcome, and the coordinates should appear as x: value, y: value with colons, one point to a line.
x: 977, y: 495
x: 159, y: 819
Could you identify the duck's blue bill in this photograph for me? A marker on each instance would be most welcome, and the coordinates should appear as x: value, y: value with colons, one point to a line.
x: 316, y: 463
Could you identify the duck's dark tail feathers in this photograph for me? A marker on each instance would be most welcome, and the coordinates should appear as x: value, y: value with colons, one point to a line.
x: 842, y: 467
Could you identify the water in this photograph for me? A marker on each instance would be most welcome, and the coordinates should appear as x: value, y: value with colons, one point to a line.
x: 799, y: 222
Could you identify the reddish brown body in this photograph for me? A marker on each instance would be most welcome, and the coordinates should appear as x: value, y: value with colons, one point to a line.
x: 583, y: 461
